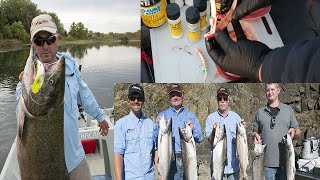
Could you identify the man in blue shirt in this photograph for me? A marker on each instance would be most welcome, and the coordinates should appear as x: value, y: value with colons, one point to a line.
x: 134, y: 144
x: 180, y: 117
x: 230, y: 119
x: 45, y: 40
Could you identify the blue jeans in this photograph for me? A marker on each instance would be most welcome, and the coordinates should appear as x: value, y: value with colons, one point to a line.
x: 176, y: 169
x: 275, y: 173
x: 233, y: 176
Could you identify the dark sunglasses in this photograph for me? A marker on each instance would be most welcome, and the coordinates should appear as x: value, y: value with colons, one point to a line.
x: 40, y: 41
x: 224, y: 98
x: 132, y: 98
x: 175, y: 94
x: 273, y: 122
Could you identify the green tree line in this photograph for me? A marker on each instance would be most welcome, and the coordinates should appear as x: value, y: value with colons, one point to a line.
x: 16, y: 17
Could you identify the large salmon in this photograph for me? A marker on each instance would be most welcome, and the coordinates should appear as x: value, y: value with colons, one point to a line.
x: 219, y: 153
x: 290, y: 159
x: 165, y: 149
x: 189, y: 156
x: 258, y: 162
x: 242, y: 150
x: 40, y: 135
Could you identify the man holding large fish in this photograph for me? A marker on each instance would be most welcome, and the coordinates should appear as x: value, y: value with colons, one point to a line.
x: 221, y: 131
x: 271, y: 125
x: 47, y: 94
x: 180, y: 118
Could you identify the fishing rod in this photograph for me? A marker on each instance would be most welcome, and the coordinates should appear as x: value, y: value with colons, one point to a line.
x: 80, y: 108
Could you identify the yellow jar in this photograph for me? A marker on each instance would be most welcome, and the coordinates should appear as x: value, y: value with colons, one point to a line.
x: 154, y: 15
x: 193, y: 23
x: 174, y: 20
x: 202, y: 7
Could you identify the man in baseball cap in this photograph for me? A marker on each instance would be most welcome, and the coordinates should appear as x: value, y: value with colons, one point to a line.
x: 229, y: 119
x: 175, y: 88
x: 222, y: 91
x: 181, y: 117
x: 44, y: 44
x: 134, y: 145
x: 43, y: 22
x: 135, y: 90
x: 44, y: 38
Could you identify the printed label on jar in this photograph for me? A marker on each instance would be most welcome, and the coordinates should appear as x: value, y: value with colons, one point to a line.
x: 203, y: 19
x: 154, y: 16
x: 194, y: 31
x: 175, y: 28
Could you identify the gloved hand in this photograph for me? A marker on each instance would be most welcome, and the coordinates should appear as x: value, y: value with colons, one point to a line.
x: 248, y: 6
x: 243, y: 58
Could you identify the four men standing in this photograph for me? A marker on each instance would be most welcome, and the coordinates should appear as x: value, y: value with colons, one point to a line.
x: 136, y: 136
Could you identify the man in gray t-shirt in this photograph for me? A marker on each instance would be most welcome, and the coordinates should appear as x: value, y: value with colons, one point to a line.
x: 271, y: 123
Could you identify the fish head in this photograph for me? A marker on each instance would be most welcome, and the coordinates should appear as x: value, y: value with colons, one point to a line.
x: 50, y: 94
x: 259, y: 149
x: 220, y: 132
x: 287, y: 141
x: 185, y: 133
x: 241, y: 129
x: 165, y: 125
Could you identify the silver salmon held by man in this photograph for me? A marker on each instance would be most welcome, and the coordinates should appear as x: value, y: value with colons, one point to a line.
x: 165, y: 149
x: 189, y: 157
x: 258, y: 162
x: 219, y: 153
x: 242, y: 150
x: 290, y: 159
x: 40, y: 137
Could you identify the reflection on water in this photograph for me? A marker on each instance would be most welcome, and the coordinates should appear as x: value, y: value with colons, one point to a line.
x: 11, y: 64
x: 79, y: 51
x: 102, y: 66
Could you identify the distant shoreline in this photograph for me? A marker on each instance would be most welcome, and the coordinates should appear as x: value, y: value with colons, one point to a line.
x: 13, y: 45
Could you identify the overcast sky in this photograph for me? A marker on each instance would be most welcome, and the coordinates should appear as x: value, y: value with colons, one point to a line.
x: 97, y: 15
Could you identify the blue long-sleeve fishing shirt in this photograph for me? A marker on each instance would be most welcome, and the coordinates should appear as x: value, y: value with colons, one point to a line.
x: 179, y: 119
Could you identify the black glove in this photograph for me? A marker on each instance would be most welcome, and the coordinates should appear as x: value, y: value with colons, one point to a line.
x: 243, y: 58
x: 248, y: 6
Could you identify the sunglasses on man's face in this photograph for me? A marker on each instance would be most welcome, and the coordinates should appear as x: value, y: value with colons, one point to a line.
x: 273, y: 122
x: 173, y: 94
x: 39, y: 41
x: 133, y: 98
x: 224, y: 98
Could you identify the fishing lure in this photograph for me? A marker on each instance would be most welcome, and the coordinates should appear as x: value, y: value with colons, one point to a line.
x: 223, y: 22
x: 212, y: 20
x: 40, y: 73
x: 204, y: 63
